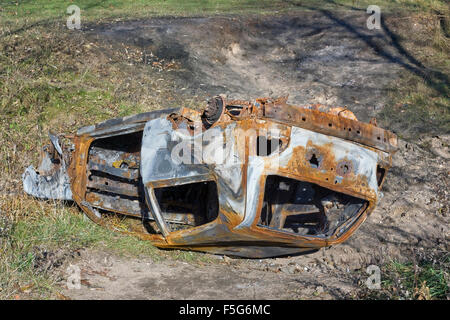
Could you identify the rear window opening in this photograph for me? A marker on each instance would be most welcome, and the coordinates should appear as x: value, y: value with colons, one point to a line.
x: 305, y: 208
x: 188, y: 205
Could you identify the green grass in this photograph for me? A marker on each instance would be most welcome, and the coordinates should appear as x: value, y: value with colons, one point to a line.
x: 417, y: 109
x: 427, y: 279
x: 93, y: 10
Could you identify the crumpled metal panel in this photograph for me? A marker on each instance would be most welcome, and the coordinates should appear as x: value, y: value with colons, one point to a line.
x: 252, y: 179
x: 50, y: 180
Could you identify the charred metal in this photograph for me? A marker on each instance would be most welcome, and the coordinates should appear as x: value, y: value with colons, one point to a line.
x: 252, y: 179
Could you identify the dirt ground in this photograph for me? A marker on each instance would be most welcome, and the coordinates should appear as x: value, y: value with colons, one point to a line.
x: 313, y: 58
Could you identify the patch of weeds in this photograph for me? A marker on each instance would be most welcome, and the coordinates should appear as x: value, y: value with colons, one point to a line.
x: 417, y: 110
x: 129, y: 109
x: 39, y: 11
x: 128, y: 245
x: 125, y: 244
x: 189, y: 256
x: 424, y: 280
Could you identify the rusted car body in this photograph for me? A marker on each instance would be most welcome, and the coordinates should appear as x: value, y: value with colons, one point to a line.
x: 252, y: 179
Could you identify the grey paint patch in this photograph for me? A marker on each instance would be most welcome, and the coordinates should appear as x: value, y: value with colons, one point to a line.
x: 56, y: 186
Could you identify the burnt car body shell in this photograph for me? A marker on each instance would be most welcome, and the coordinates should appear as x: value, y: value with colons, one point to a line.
x: 318, y: 157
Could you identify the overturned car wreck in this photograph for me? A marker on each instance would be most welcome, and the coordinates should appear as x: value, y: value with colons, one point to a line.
x: 251, y: 179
